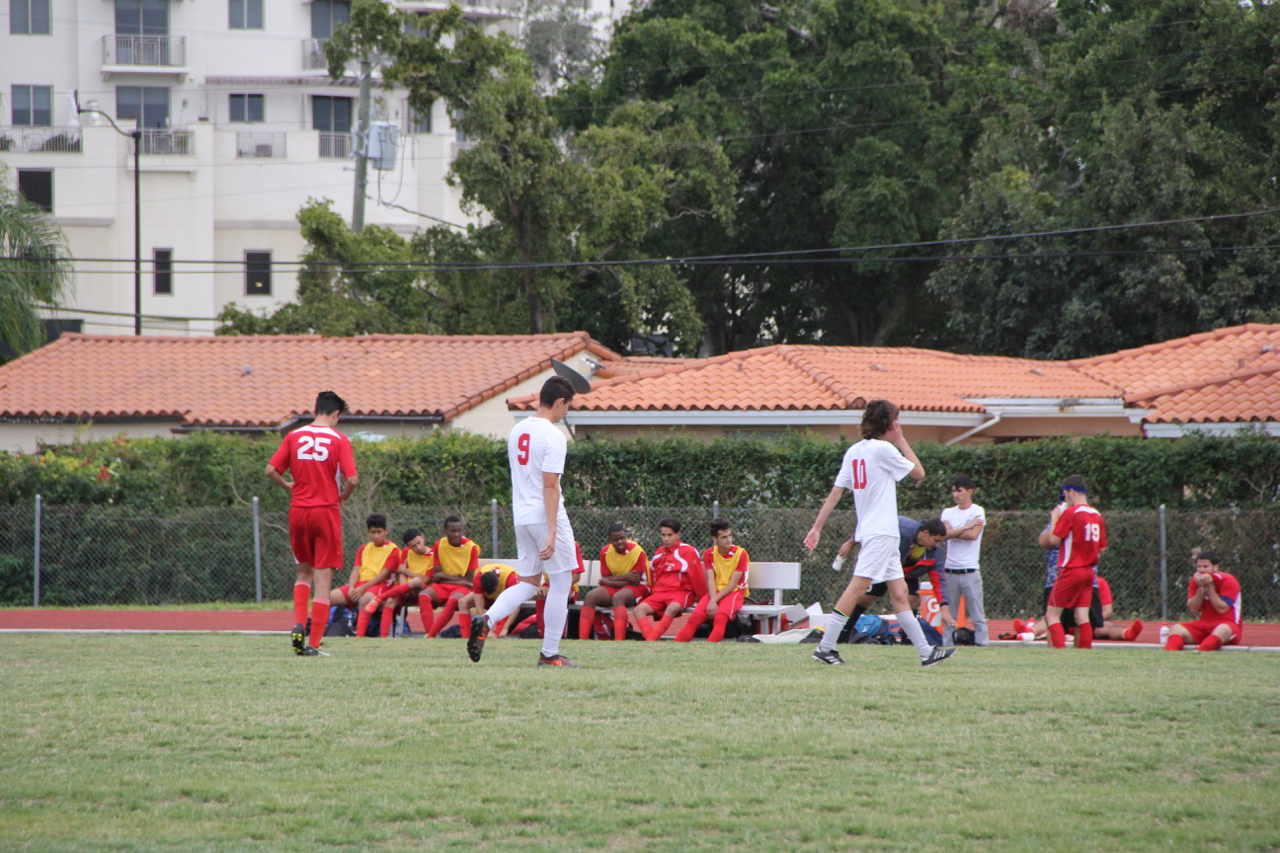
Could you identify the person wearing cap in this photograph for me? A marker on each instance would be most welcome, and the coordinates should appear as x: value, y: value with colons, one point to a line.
x: 1081, y: 537
x: 965, y: 522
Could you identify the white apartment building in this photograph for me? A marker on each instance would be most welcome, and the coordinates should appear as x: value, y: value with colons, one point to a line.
x: 241, y: 125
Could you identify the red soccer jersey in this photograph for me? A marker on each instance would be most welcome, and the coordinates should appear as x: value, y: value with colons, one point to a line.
x: 1228, y: 590
x: 1104, y: 591
x: 1083, y: 537
x: 673, y: 569
x: 315, y: 455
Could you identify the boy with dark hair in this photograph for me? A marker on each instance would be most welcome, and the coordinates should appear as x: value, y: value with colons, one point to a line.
x: 414, y: 571
x: 624, y: 576
x: 375, y: 565
x: 456, y: 560
x: 1081, y: 537
x: 871, y: 469
x: 965, y: 522
x: 677, y: 582
x: 1220, y: 622
x: 486, y: 586
x: 319, y: 457
x: 727, y: 566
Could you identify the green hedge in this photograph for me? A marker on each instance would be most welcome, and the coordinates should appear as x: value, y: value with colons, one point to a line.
x: 207, y: 470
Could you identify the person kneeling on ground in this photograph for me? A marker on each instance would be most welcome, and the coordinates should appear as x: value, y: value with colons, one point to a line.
x: 1215, y: 596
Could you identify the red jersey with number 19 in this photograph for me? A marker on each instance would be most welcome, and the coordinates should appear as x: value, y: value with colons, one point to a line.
x: 1083, y: 537
x: 315, y: 455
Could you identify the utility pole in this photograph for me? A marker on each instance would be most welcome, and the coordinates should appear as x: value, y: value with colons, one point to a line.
x: 362, y: 144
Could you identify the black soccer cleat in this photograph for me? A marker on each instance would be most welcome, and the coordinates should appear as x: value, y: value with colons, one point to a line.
x: 312, y: 651
x: 938, y: 655
x: 475, y: 643
x: 557, y: 660
x: 299, y: 639
x: 831, y: 658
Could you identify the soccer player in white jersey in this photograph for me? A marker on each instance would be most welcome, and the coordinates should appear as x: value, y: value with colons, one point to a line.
x: 871, y: 470
x: 536, y: 451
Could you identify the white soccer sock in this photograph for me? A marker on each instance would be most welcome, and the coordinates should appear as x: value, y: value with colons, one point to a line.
x: 907, y: 620
x: 556, y: 611
x: 835, y: 625
x: 510, y: 600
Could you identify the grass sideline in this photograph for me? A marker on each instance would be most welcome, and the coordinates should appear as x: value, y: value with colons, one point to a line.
x: 223, y: 743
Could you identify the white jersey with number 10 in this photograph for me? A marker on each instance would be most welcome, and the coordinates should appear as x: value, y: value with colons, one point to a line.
x: 871, y: 470
x: 534, y: 447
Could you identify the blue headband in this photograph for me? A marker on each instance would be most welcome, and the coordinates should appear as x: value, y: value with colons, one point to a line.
x: 1081, y: 489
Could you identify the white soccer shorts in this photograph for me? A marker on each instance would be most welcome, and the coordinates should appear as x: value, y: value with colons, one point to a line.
x: 878, y: 559
x: 529, y: 541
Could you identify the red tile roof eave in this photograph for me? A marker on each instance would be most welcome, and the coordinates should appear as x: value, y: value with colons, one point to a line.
x: 1247, y: 373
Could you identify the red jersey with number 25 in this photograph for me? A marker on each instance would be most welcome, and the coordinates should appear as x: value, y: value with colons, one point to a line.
x: 1083, y: 537
x: 315, y: 455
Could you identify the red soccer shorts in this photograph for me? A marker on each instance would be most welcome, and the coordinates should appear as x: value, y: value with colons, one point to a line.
x: 729, y: 605
x: 638, y: 590
x: 315, y: 534
x: 1073, y: 588
x: 445, y: 591
x: 1201, y: 629
x: 376, y: 589
x: 659, y: 600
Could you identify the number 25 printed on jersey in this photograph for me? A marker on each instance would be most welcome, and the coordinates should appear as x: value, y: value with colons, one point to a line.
x: 859, y: 473
x: 314, y: 447
x: 522, y: 444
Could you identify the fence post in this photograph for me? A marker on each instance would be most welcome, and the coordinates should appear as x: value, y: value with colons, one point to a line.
x: 1164, y: 570
x: 493, y: 515
x: 257, y: 549
x: 715, y: 509
x: 36, y: 587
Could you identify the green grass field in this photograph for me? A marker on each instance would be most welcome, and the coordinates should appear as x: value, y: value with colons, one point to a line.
x: 200, y: 743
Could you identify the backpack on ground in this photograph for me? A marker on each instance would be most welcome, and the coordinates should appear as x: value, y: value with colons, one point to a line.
x: 931, y: 634
x: 872, y: 629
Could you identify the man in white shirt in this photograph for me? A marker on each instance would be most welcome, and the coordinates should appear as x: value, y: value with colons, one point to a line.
x: 871, y: 469
x: 965, y: 522
x: 536, y: 451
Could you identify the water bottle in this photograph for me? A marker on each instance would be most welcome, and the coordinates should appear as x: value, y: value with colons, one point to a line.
x: 1164, y: 632
x: 837, y: 563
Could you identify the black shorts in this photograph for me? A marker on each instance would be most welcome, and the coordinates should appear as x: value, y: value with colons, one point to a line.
x: 879, y: 589
x: 1069, y: 615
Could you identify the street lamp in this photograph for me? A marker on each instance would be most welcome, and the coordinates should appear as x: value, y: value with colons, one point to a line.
x: 136, y: 135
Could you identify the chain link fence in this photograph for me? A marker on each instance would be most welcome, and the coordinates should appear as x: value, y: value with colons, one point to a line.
x: 112, y: 555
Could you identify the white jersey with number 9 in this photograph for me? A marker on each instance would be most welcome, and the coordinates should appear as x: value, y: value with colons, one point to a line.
x: 534, y: 447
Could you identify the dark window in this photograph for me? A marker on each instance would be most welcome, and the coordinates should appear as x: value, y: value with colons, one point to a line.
x: 29, y: 17
x: 326, y: 15
x: 149, y: 102
x: 246, y: 14
x: 32, y: 106
x: 257, y: 273
x: 53, y: 329
x: 458, y: 116
x: 420, y: 122
x: 247, y: 108
x: 36, y: 186
x: 162, y: 271
x: 331, y: 115
x: 142, y: 17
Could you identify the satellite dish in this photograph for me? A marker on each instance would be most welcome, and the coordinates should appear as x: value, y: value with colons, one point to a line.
x: 579, y: 382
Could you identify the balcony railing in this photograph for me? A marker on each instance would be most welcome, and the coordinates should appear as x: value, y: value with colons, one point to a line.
x: 22, y: 140
x: 313, y: 58
x: 175, y: 143
x: 149, y: 51
x: 337, y: 146
x: 260, y: 145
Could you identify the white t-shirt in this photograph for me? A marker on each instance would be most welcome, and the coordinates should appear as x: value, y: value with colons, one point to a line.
x: 871, y: 470
x: 534, y: 447
x: 962, y: 554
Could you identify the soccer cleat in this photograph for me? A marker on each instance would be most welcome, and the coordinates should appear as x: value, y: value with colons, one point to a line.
x: 831, y: 658
x: 938, y: 655
x: 372, y: 606
x: 557, y: 660
x: 475, y: 643
x: 312, y: 651
x: 299, y: 637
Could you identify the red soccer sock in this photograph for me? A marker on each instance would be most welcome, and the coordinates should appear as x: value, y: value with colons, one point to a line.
x: 388, y: 619
x: 690, y: 627
x: 1131, y: 633
x: 1057, y: 636
x: 646, y: 628
x: 446, y: 613
x: 464, y: 625
x: 525, y: 623
x: 586, y: 621
x: 1019, y: 627
x: 1084, y: 636
x: 396, y: 591
x: 319, y: 621
x: 620, y: 623
x: 301, y: 599
x: 717, y: 627
x: 1174, y: 643
x: 1211, y: 643
x: 538, y: 608
x: 427, y: 610
x: 362, y: 622
x: 662, y: 626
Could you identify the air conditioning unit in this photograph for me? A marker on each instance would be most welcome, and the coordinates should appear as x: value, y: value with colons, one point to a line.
x: 262, y: 150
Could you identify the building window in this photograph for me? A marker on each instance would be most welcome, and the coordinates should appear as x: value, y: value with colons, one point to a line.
x: 419, y: 122
x: 327, y: 15
x: 257, y: 273
x: 36, y: 186
x: 53, y: 329
x: 29, y: 17
x: 142, y: 17
x: 150, y: 103
x: 246, y: 14
x: 330, y: 114
x: 32, y: 106
x: 247, y: 108
x: 162, y: 271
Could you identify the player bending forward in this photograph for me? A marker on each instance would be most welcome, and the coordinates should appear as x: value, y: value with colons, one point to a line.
x: 536, y: 452
x: 871, y: 470
x: 317, y: 455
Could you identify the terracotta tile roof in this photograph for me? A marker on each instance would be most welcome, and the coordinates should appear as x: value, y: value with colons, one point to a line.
x: 1230, y: 374
x: 787, y: 377
x: 203, y: 381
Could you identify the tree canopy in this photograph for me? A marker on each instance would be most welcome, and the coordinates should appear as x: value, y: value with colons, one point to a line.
x: 34, y: 268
